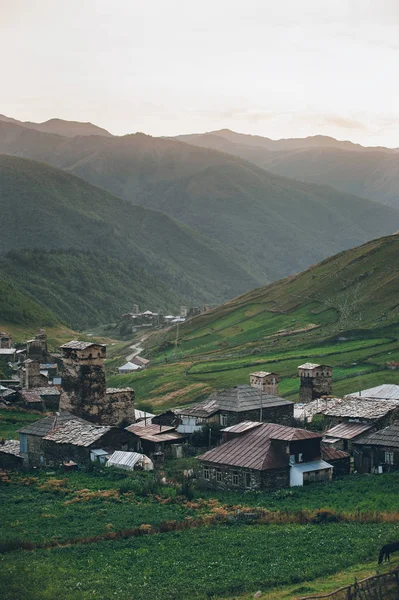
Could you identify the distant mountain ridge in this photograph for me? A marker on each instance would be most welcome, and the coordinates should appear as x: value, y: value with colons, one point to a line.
x: 60, y: 127
x: 268, y: 225
x: 370, y: 172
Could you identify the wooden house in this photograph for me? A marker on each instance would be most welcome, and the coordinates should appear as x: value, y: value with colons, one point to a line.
x: 153, y: 439
x: 379, y: 451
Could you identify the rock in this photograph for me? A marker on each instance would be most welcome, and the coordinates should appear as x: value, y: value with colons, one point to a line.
x: 257, y: 594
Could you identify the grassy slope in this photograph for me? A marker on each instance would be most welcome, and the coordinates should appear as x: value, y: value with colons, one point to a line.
x: 45, y: 208
x: 272, y: 226
x: 342, y: 312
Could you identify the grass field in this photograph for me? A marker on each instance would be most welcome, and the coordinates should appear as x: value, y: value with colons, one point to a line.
x: 209, y: 560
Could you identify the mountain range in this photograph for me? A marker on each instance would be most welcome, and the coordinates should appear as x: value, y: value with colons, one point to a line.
x: 196, y: 224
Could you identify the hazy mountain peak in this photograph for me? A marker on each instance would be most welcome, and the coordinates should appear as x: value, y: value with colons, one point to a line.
x: 60, y: 127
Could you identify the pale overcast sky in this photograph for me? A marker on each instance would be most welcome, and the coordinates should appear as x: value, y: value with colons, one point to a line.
x: 278, y: 68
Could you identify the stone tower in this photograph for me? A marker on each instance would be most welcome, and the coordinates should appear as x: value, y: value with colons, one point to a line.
x: 5, y: 340
x: 316, y: 381
x: 31, y: 376
x: 37, y: 347
x: 84, y: 391
x: 265, y: 381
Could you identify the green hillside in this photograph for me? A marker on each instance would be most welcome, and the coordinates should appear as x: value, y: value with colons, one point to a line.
x: 267, y: 225
x: 350, y: 168
x: 343, y: 311
x: 146, y: 256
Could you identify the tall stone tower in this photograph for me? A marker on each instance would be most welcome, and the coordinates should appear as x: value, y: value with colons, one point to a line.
x: 5, y: 340
x: 316, y: 381
x: 37, y: 347
x: 265, y: 381
x: 31, y: 376
x: 84, y: 391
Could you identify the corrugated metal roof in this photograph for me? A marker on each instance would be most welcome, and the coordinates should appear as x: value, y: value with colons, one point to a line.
x: 241, y: 427
x: 365, y: 408
x: 44, y: 426
x: 10, y: 447
x: 255, y: 449
x: 170, y: 436
x: 333, y: 453
x: 237, y: 399
x: 125, y: 459
x: 386, y: 391
x: 314, y: 465
x: 77, y: 433
x: 152, y: 430
x: 77, y: 345
x: 389, y: 436
x: 348, y: 431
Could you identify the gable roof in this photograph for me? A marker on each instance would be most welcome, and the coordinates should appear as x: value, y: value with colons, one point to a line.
x: 236, y: 399
x: 256, y: 450
x: 129, y: 366
x: 386, y: 391
x: 389, y: 436
x: 78, y: 345
x: 11, y: 447
x: 77, y: 433
x: 333, y: 454
x: 155, y: 433
x: 43, y: 426
x: 348, y: 431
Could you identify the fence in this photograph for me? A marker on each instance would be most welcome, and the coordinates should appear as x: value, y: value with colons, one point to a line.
x: 378, y: 587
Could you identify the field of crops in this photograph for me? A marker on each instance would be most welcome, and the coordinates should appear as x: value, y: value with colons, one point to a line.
x: 191, y: 564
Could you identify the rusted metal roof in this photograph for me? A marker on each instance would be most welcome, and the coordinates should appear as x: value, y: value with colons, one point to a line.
x: 170, y: 436
x: 256, y: 449
x: 149, y: 430
x: 77, y: 433
x: 77, y: 345
x: 31, y: 396
x: 348, y: 431
x: 241, y: 427
x: 362, y: 409
x: 237, y: 399
x: 10, y: 447
x: 389, y: 436
x: 333, y: 454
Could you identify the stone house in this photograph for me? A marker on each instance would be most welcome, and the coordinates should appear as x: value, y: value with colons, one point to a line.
x: 267, y: 456
x: 237, y: 404
x: 10, y: 455
x: 378, y: 413
x: 153, y: 439
x: 75, y: 441
x: 316, y: 381
x: 265, y: 381
x: 31, y: 437
x: 378, y: 452
x: 343, y: 435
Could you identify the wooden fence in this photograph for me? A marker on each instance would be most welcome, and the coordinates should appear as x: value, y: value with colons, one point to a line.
x: 377, y: 587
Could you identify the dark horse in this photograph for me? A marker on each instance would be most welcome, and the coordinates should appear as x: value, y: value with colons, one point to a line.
x: 387, y: 550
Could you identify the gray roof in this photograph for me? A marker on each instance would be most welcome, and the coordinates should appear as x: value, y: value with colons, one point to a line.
x: 386, y: 391
x: 7, y: 351
x: 242, y: 427
x: 44, y: 426
x: 77, y: 345
x: 125, y: 460
x: 313, y: 465
x: 348, y: 431
x: 309, y: 366
x: 77, y: 433
x: 362, y: 409
x: 10, y: 447
x: 117, y: 390
x: 237, y: 399
x: 389, y: 436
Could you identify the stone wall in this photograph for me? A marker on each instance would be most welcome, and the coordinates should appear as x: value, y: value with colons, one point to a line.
x: 226, y: 477
x: 283, y: 415
x: 35, y: 455
x: 32, y: 376
x: 119, y: 407
x: 314, y: 387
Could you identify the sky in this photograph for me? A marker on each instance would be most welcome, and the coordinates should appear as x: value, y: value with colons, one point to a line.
x: 277, y: 68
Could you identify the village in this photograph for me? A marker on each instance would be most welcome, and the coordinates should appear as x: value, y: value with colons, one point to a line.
x: 246, y: 437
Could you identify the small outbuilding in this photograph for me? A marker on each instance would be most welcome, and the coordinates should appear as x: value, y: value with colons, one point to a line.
x: 129, y: 367
x: 379, y: 451
x: 130, y: 461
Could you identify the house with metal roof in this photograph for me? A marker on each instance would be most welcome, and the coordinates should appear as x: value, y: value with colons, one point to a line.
x: 153, y: 439
x: 343, y: 435
x: 266, y: 456
x: 386, y: 391
x: 237, y: 404
x: 378, y: 452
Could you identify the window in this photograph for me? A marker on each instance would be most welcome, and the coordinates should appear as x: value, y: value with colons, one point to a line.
x: 300, y: 457
x: 235, y: 478
x: 389, y: 458
x: 223, y: 420
x: 207, y: 474
x: 248, y: 480
x: 218, y: 475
